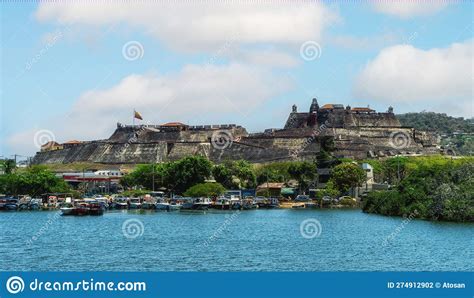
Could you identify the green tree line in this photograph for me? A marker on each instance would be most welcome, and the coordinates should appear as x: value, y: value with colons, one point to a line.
x: 438, y: 188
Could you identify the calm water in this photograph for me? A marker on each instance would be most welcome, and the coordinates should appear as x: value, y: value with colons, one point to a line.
x: 260, y: 240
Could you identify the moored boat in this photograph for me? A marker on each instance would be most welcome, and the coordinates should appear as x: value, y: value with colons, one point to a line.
x: 148, y: 202
x: 201, y: 204
x: 67, y: 209
x: 221, y: 203
x: 135, y: 203
x: 249, y: 203
x: 81, y: 207
x: 268, y: 203
x: 162, y: 205
x: 120, y: 203
x: 11, y: 204
x: 196, y: 203
x: 96, y: 208
x: 35, y: 204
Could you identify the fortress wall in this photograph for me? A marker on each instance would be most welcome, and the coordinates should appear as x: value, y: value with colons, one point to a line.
x: 373, y: 119
x: 344, y: 118
x: 129, y: 153
x: 180, y: 150
x: 143, y: 134
x: 282, y: 149
x: 50, y: 157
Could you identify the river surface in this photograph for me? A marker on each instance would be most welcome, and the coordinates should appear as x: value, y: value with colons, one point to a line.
x: 257, y: 240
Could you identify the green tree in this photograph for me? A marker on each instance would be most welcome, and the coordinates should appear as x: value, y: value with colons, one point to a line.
x: 34, y: 181
x: 329, y: 190
x: 205, y: 190
x: 7, y: 165
x: 223, y: 175
x: 303, y: 172
x: 235, y: 174
x: 186, y: 172
x: 347, y: 175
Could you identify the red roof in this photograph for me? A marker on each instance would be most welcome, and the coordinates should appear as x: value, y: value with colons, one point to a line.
x: 174, y: 124
x: 327, y: 106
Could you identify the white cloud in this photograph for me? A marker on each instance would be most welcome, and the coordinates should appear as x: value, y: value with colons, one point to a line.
x: 192, y: 27
x: 196, y: 95
x: 265, y: 57
x: 407, y: 9
x: 405, y: 74
x: 364, y: 43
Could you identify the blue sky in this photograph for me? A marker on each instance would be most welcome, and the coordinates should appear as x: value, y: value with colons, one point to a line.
x: 65, y: 75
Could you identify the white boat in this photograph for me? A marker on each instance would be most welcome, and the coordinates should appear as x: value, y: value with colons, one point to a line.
x: 67, y: 209
x: 201, y: 204
x: 120, y: 203
x: 162, y: 205
x: 135, y: 203
x: 222, y: 203
x: 174, y: 207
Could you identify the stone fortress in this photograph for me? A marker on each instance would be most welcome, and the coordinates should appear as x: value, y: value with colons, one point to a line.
x: 357, y: 133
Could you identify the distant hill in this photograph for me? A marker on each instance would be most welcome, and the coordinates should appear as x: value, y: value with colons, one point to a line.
x: 438, y: 122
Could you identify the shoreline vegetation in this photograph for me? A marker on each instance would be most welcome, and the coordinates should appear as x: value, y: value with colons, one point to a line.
x: 427, y: 187
x: 432, y: 188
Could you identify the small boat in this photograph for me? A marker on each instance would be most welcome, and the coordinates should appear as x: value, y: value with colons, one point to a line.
x: 35, y: 204
x: 67, y: 209
x: 222, y: 203
x: 196, y: 203
x: 162, y: 205
x: 96, y: 208
x: 298, y: 206
x: 120, y: 203
x: 201, y: 204
x: 249, y: 203
x: 174, y: 206
x: 103, y: 202
x: 11, y: 204
x: 81, y: 208
x: 3, y: 201
x: 175, y: 203
x: 135, y: 203
x: 268, y: 203
x: 148, y: 202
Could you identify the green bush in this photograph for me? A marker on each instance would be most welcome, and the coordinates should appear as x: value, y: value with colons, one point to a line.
x: 205, y: 190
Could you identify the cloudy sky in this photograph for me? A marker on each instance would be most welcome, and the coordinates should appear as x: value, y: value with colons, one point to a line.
x: 73, y: 70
